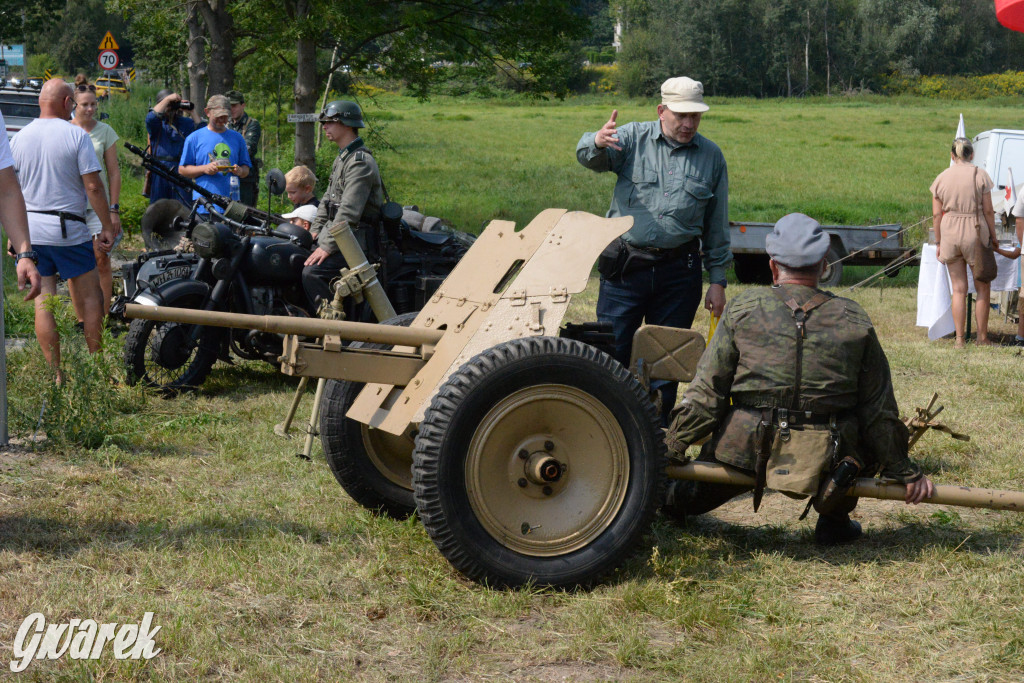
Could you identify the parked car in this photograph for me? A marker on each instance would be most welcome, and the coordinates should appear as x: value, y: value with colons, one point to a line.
x: 106, y: 85
x: 19, y: 102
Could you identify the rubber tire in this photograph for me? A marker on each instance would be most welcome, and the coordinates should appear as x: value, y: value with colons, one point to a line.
x: 448, y: 427
x: 345, y: 450
x: 833, y: 274
x: 752, y: 269
x: 136, y: 346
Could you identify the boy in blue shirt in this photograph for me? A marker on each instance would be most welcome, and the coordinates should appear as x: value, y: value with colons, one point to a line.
x: 214, y: 153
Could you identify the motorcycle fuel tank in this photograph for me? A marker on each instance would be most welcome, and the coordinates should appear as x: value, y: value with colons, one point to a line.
x: 274, y: 262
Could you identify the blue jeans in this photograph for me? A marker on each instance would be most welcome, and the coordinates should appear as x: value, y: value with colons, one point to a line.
x: 667, y: 293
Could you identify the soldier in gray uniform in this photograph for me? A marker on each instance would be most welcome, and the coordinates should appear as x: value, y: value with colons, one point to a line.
x: 354, y: 194
x: 803, y: 371
x: 241, y: 122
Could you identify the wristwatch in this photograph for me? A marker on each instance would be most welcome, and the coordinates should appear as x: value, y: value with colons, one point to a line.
x: 115, y: 208
x: 31, y: 255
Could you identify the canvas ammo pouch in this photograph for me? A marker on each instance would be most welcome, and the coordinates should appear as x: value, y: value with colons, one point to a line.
x: 799, y: 455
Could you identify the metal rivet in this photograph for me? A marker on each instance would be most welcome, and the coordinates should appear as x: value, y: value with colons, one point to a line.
x: 522, y: 482
x: 549, y: 446
x: 523, y: 455
x: 546, y: 490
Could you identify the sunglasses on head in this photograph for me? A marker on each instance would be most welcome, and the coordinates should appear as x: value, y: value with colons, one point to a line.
x: 85, y: 88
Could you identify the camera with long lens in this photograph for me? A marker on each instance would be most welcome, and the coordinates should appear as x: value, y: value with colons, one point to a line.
x: 183, y: 104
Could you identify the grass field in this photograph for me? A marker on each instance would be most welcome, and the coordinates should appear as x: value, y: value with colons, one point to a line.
x: 258, y: 566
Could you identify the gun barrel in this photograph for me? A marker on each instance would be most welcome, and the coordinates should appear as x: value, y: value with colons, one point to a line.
x: 307, y: 327
x: 960, y: 496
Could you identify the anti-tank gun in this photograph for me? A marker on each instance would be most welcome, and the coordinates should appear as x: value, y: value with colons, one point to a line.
x: 529, y: 455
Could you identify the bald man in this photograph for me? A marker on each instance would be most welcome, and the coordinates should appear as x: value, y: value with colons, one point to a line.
x: 58, y: 171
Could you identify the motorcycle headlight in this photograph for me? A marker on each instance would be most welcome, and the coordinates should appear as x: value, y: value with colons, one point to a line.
x: 213, y: 240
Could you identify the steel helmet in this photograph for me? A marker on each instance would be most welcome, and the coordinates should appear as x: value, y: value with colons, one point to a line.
x: 344, y: 112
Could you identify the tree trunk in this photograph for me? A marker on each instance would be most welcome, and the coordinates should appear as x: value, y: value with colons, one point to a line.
x: 197, y: 76
x: 220, y: 27
x: 305, y: 93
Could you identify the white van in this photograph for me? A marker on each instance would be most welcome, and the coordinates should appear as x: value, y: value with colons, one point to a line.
x: 997, y: 151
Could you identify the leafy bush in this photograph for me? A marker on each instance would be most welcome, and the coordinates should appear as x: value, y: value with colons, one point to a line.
x: 1007, y: 84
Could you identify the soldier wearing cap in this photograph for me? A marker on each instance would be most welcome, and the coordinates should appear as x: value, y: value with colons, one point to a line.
x: 355, y: 193
x: 788, y: 367
x: 673, y: 182
x: 249, y: 128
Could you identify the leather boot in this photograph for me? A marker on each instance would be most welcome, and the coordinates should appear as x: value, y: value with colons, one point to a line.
x: 836, y: 530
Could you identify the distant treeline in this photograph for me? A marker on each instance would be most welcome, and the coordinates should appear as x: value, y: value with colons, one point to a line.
x: 769, y: 48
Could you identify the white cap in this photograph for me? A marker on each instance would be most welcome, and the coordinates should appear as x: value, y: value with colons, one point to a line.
x: 306, y: 212
x: 683, y: 95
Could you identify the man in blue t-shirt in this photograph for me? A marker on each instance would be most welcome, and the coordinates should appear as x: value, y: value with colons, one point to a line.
x: 212, y: 154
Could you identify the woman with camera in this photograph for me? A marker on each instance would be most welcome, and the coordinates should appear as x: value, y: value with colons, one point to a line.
x: 168, y: 127
x: 103, y: 142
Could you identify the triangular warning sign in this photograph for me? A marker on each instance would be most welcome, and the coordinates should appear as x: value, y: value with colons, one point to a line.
x: 108, y: 42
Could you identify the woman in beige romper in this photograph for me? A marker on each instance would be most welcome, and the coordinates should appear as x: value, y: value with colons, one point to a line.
x: 963, y: 228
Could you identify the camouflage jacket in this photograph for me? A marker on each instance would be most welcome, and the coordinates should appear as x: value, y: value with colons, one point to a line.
x: 250, y: 130
x: 355, y: 188
x: 752, y: 361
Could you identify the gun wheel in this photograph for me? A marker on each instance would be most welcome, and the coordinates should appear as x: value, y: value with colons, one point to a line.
x: 373, y: 466
x: 539, y: 461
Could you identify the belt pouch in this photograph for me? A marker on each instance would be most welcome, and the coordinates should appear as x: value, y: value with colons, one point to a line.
x: 796, y: 463
x: 611, y: 260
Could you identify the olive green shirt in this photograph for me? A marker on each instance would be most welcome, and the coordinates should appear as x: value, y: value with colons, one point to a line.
x: 675, y: 192
x: 355, y: 187
x: 752, y: 361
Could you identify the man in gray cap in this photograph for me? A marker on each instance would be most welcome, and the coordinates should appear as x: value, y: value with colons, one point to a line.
x: 673, y: 182
x: 794, y: 372
x: 248, y: 128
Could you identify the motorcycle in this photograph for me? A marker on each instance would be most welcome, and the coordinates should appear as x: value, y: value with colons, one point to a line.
x: 249, y: 261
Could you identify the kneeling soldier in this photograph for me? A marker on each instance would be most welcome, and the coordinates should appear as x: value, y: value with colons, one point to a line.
x: 812, y: 397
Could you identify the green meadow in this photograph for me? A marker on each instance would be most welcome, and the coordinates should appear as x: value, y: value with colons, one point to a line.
x: 258, y: 567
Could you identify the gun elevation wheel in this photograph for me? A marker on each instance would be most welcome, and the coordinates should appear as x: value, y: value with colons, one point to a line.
x: 539, y: 460
x: 373, y: 467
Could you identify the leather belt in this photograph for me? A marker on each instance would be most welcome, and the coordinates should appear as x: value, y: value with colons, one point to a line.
x: 670, y: 252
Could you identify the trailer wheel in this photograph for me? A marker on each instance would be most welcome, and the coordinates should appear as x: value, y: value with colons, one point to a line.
x: 374, y: 467
x: 833, y: 273
x: 539, y: 461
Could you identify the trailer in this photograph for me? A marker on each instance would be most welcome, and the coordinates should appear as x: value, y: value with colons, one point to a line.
x: 857, y: 245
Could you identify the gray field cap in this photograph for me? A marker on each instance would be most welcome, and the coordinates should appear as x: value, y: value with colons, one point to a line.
x: 797, y: 241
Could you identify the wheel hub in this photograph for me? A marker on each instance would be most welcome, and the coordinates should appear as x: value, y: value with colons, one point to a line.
x: 171, y: 346
x: 547, y: 469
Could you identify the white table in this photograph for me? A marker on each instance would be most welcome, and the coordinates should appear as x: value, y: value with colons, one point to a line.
x: 935, y: 291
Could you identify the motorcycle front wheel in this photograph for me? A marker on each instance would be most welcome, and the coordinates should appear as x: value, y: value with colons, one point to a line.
x: 164, y: 356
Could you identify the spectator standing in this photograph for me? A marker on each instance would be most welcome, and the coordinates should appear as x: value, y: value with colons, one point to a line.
x: 298, y: 185
x: 213, y: 153
x: 249, y: 128
x: 167, y: 128
x: 58, y: 171
x: 104, y: 141
x: 965, y: 230
x: 674, y: 183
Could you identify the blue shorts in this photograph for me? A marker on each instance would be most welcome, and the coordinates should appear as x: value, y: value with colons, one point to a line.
x: 69, y: 262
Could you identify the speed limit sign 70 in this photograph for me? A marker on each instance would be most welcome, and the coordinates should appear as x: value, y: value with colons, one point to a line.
x: 108, y: 60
